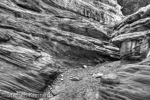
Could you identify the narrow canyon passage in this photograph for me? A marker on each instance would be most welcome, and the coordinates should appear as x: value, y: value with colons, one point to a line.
x: 70, y: 50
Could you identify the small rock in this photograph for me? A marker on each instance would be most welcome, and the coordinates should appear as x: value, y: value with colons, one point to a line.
x: 110, y: 79
x: 85, y: 66
x: 61, y: 75
x: 110, y: 76
x: 98, y: 75
x: 61, y: 79
x: 75, y: 78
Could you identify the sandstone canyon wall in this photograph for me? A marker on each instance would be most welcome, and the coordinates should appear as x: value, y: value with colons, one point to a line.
x: 131, y: 6
x: 66, y: 50
x: 39, y: 39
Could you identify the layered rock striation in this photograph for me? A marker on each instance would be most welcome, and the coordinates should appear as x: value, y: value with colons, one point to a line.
x: 117, y: 80
x: 131, y: 6
x: 71, y: 49
x: 39, y: 39
x: 133, y: 33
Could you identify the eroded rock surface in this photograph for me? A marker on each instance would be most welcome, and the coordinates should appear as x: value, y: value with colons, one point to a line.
x: 119, y: 81
x: 39, y: 39
x: 136, y: 22
x: 131, y: 34
x: 131, y: 6
x: 50, y: 50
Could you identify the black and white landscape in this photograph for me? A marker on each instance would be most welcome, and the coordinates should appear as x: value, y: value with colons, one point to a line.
x: 74, y: 50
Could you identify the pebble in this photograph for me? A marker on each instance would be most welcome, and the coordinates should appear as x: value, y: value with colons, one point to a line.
x: 61, y: 75
x: 75, y: 78
x: 110, y: 76
x: 98, y: 75
x: 61, y: 79
x: 85, y: 66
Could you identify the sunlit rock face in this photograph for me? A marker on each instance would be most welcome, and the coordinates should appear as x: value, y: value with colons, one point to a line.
x: 131, y: 6
x: 39, y: 39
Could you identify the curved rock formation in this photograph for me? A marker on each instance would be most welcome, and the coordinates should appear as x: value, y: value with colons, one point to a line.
x: 131, y: 6
x: 131, y: 34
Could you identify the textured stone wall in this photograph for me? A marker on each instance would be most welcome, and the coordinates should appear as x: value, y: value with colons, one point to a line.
x: 39, y: 39
x: 131, y: 6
